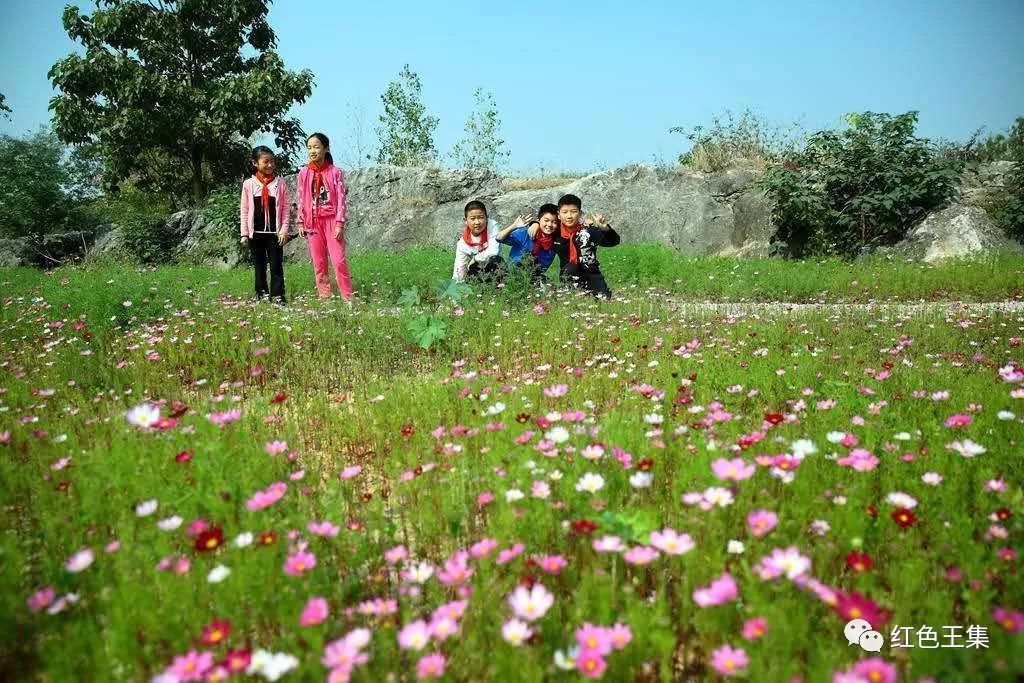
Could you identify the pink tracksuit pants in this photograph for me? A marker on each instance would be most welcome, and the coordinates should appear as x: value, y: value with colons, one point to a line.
x: 321, y: 244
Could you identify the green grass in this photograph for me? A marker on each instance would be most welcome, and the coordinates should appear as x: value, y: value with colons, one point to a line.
x: 357, y: 393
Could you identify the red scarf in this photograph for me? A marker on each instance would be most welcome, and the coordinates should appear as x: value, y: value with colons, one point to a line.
x: 574, y: 254
x: 542, y: 242
x: 318, y: 171
x: 467, y: 237
x: 264, y: 181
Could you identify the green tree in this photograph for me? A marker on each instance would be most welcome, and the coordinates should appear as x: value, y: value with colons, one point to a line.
x: 1007, y: 208
x: 42, y: 202
x: 4, y: 109
x: 482, y: 147
x: 406, y: 130
x: 864, y: 186
x: 169, y: 91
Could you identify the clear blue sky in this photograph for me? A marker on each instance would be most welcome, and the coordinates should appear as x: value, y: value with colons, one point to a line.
x: 588, y: 85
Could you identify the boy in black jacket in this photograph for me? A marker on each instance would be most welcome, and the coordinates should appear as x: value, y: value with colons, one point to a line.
x: 576, y: 246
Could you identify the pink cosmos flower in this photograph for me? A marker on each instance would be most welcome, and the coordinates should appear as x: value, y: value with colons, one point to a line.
x: 958, y: 420
x: 264, y: 499
x: 720, y: 591
x: 324, y: 528
x: 876, y: 670
x: 729, y: 661
x: 531, y: 604
x: 483, y: 499
x: 640, y: 555
x: 483, y: 548
x: 396, y: 554
x: 789, y: 562
x: 314, y: 613
x: 192, y: 666
x: 509, y: 554
x: 671, y: 543
x: 41, y: 599
x: 552, y: 564
x: 452, y: 610
x: 441, y: 628
x: 556, y: 390
x: 734, y: 470
x: 1012, y: 621
x: 456, y: 570
x: 351, y: 471
x: 80, y: 561
x: 275, y: 447
x: 225, y: 418
x: 299, y: 563
x: 515, y: 632
x: 591, y: 664
x: 620, y: 635
x: 754, y: 628
x: 608, y: 544
x: 593, y: 638
x: 414, y: 636
x: 761, y: 522
x: 430, y: 666
x: 860, y: 460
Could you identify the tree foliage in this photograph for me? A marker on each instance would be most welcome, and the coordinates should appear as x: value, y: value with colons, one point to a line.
x: 169, y: 91
x: 864, y: 186
x: 406, y: 130
x: 482, y: 147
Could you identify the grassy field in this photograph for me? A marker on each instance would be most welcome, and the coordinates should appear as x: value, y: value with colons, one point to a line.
x: 195, y: 485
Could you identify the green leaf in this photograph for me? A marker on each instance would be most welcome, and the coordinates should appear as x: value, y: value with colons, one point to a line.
x: 410, y: 297
x: 454, y: 290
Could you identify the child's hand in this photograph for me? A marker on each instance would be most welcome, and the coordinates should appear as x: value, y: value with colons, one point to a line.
x: 337, y: 231
x: 282, y: 237
x: 532, y: 230
x: 244, y: 239
x: 302, y: 230
x: 524, y: 219
x: 600, y: 221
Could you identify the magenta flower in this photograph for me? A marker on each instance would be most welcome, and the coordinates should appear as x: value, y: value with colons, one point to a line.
x: 1012, y: 621
x: 734, y: 470
x: 640, y: 555
x: 620, y: 635
x: 761, y: 522
x: 324, y: 528
x: 264, y: 499
x: 531, y: 604
x: 41, y: 599
x: 593, y: 638
x: 414, y: 636
x: 958, y: 420
x: 315, y: 612
x: 720, y: 591
x: 590, y: 664
x: 275, y: 447
x: 509, y: 554
x: 299, y: 563
x: 876, y: 670
x: 552, y: 564
x: 225, y: 418
x: 456, y: 570
x: 430, y: 666
x: 483, y: 499
x: 671, y: 543
x: 483, y: 548
x: 351, y: 471
x: 729, y: 661
x: 754, y: 628
x: 192, y: 666
x: 859, y: 459
x: 396, y: 554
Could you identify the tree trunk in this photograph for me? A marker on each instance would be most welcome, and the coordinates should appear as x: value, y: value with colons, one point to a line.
x: 198, y: 188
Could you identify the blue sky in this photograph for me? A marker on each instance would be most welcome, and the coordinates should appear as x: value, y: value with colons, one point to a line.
x: 583, y: 86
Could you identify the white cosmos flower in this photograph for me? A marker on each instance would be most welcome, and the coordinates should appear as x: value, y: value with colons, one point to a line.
x: 557, y: 434
x: 218, y: 574
x: 243, y: 540
x: 512, y: 495
x: 144, y: 415
x: 641, y: 480
x: 146, y: 508
x: 803, y: 447
x: 170, y: 524
x: 590, y: 483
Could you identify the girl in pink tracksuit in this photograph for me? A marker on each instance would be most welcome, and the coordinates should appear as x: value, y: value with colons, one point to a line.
x: 321, y: 197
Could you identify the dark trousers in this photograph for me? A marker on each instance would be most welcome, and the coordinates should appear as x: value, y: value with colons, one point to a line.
x: 492, y: 270
x: 266, y: 251
x: 591, y: 282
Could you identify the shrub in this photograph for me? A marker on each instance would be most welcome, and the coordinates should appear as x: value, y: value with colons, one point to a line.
x: 1007, y: 207
x: 142, y: 219
x: 746, y: 141
x: 861, y: 187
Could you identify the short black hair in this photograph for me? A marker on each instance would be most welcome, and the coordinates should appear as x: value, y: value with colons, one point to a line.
x: 261, y: 151
x: 570, y: 200
x: 326, y: 142
x: 547, y: 208
x: 475, y: 204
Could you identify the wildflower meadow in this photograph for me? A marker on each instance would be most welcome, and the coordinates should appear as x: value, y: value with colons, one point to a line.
x: 200, y: 487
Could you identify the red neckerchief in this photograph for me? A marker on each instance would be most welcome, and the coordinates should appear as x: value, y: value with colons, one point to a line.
x: 542, y: 242
x: 467, y: 237
x: 318, y: 176
x: 264, y: 181
x: 574, y: 254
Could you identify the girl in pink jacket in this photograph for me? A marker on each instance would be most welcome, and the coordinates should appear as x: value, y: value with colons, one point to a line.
x: 264, y: 222
x: 321, y: 194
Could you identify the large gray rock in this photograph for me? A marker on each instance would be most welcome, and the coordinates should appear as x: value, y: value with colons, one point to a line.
x: 722, y: 213
x: 955, y: 232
